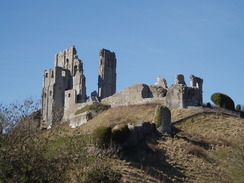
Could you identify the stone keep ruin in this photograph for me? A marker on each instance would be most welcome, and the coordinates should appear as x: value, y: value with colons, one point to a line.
x: 64, y: 89
x: 65, y: 86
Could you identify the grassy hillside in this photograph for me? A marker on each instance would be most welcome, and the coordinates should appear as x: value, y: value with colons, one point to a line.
x: 204, y: 148
x: 208, y: 148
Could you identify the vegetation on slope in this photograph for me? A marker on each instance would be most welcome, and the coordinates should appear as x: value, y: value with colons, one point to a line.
x: 205, y: 148
x: 96, y: 107
x: 214, y: 144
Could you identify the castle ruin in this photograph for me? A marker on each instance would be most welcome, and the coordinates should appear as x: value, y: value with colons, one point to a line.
x: 179, y: 95
x: 106, y: 74
x: 65, y: 85
x: 64, y: 89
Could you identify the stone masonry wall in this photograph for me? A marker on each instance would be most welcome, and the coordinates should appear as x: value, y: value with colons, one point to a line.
x: 66, y: 75
x: 179, y: 95
x: 106, y: 74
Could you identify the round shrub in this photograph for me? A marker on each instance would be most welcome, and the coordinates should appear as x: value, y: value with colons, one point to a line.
x: 102, y: 136
x: 121, y: 134
x: 223, y: 100
x: 238, y: 107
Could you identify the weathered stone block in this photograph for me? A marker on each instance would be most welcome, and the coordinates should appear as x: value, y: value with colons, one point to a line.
x: 139, y: 133
x: 80, y: 119
x: 163, y: 119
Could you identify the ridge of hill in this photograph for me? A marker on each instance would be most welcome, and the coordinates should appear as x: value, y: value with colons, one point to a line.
x: 206, y: 147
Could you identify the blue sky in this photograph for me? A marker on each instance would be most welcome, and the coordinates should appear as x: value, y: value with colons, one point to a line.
x: 150, y: 38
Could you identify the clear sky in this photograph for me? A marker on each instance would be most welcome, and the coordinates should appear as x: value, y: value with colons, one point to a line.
x: 151, y: 38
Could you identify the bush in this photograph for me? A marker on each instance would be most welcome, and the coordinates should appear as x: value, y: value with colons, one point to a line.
x: 28, y: 155
x: 238, y: 107
x: 209, y: 105
x: 158, y: 116
x: 223, y: 101
x: 22, y: 150
x: 121, y: 134
x: 102, y: 136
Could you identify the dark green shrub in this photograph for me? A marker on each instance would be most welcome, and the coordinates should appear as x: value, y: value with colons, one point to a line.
x: 238, y: 107
x: 102, y: 136
x: 158, y: 116
x: 121, y: 134
x: 223, y: 101
x: 209, y: 105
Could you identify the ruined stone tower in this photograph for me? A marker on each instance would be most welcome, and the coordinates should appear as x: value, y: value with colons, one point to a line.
x: 180, y: 95
x: 62, y: 85
x: 106, y: 74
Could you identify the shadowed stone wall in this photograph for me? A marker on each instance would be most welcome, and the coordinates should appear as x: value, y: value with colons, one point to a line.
x: 106, y: 74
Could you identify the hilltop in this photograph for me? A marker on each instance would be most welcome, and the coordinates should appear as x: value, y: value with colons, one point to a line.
x: 206, y: 147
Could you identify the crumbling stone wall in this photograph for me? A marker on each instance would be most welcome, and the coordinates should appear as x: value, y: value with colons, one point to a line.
x: 106, y: 74
x: 180, y: 79
x: 66, y: 78
x: 161, y: 82
x: 136, y: 94
x: 179, y: 95
x: 64, y: 87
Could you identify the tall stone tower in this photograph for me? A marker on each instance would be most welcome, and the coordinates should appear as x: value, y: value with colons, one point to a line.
x: 65, y: 83
x: 106, y: 74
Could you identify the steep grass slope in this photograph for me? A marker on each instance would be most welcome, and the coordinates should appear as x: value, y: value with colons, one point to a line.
x: 207, y: 147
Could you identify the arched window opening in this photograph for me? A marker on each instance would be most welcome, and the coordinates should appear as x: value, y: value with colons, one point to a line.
x: 67, y: 62
x: 75, y: 69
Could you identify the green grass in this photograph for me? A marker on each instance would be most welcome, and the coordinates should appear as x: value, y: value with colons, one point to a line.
x: 63, y: 145
x: 221, y: 154
x: 96, y: 107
